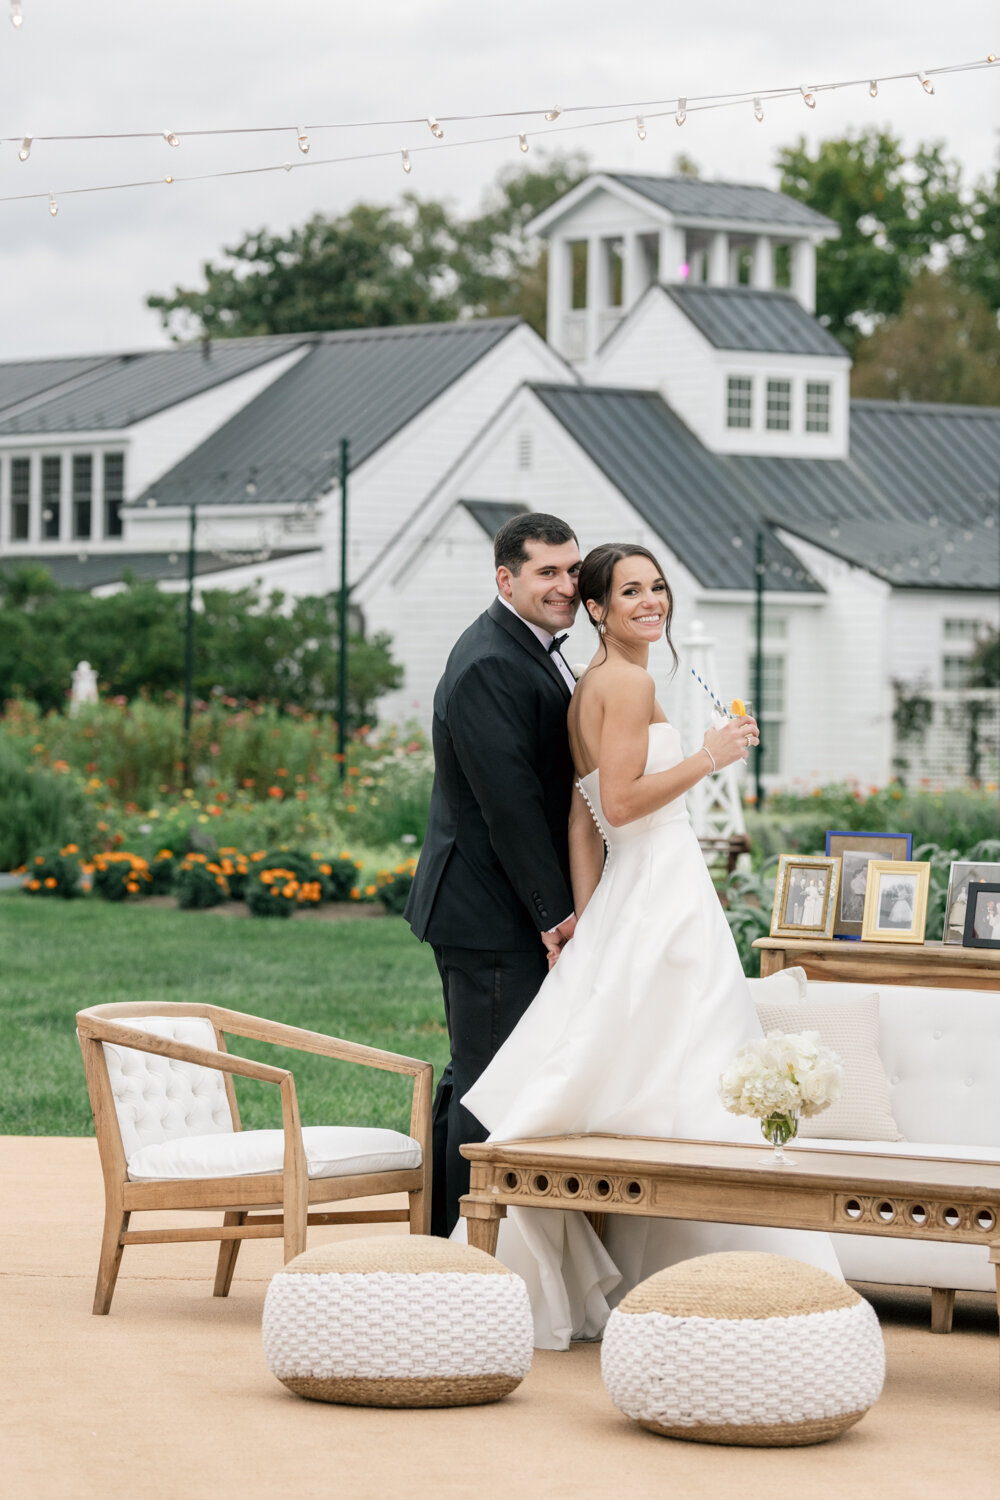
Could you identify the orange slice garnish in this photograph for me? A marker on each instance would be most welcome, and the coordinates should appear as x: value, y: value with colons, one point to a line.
x: 738, y: 707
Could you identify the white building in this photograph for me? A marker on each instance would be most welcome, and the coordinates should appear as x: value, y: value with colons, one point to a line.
x: 688, y: 399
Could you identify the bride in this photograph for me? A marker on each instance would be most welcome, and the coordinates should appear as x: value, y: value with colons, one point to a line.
x: 647, y: 1003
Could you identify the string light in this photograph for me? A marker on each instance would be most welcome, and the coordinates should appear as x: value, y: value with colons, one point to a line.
x: 758, y: 111
x: 168, y: 178
x: 170, y: 138
x: 553, y: 114
x: 640, y: 127
x: 303, y: 140
x: 53, y: 206
x: 809, y: 97
x: 682, y: 113
x: 434, y: 128
x: 925, y: 83
x: 991, y: 57
x: 407, y: 164
x: 873, y: 88
x: 522, y: 141
x: 25, y: 150
x: 16, y: 17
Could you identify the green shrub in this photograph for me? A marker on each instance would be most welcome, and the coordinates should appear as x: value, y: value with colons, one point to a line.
x: 56, y: 872
x: 275, y: 888
x: 39, y: 808
x: 119, y: 874
x: 161, y: 871
x: 199, y: 883
x: 236, y: 868
x: 395, y: 889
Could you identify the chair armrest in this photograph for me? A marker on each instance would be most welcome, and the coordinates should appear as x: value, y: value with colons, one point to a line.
x: 144, y: 1041
x: 254, y: 1028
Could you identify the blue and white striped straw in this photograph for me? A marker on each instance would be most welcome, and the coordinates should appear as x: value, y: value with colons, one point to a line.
x: 719, y: 705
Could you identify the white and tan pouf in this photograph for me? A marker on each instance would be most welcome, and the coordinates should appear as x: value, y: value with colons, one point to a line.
x: 407, y: 1321
x: 744, y: 1348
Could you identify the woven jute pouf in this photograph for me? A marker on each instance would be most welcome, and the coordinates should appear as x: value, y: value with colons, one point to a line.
x: 407, y: 1321
x: 744, y: 1348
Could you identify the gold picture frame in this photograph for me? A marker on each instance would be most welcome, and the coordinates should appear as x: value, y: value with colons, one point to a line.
x: 896, y: 901
x: 805, y: 895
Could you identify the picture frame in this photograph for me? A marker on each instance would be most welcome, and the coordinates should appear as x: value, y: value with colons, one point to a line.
x: 982, y: 917
x: 855, y: 849
x: 963, y: 873
x: 896, y: 901
x: 805, y: 895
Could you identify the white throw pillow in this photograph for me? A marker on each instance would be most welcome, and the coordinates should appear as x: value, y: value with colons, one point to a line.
x: 787, y: 987
x: 863, y: 1111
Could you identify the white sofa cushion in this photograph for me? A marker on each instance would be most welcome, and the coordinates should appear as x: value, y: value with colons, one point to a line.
x: 851, y: 1029
x: 158, y: 1098
x: 788, y: 986
x: 331, y: 1151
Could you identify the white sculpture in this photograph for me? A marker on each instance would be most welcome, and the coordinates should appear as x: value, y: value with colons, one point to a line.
x: 84, y: 689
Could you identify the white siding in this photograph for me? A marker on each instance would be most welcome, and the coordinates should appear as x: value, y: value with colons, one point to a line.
x: 658, y: 348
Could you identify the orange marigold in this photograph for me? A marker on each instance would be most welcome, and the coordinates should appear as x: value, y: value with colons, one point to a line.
x: 50, y: 882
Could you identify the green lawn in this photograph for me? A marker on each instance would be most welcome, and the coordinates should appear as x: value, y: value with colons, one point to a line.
x: 367, y: 980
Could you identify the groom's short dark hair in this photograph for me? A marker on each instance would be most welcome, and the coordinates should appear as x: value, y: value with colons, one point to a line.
x: 536, y: 526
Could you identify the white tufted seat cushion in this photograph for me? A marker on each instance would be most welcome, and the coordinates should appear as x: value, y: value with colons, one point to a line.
x: 331, y: 1151
x: 159, y: 1098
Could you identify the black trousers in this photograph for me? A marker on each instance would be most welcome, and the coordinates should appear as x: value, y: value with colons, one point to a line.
x: 485, y: 995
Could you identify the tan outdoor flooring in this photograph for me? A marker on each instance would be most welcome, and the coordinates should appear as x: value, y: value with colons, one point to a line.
x: 170, y: 1397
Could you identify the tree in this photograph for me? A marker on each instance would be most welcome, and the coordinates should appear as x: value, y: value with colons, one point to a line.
x: 977, y: 264
x: 944, y: 346
x: 895, y: 216
x: 375, y: 266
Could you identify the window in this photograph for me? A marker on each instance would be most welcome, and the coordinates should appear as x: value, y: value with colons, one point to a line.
x: 779, y: 405
x: 83, y: 494
x: 51, y: 496
x: 961, y: 630
x: 739, y: 401
x: 770, y: 711
x: 114, y: 492
x: 578, y: 274
x: 955, y: 671
x: 20, y: 499
x: 817, y: 406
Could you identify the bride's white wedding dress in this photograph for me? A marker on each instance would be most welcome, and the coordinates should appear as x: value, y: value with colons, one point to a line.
x: 629, y: 1034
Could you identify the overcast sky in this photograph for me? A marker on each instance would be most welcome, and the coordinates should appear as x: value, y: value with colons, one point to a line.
x: 77, y: 283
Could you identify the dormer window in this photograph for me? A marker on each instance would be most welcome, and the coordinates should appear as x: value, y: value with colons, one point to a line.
x: 739, y: 401
x: 817, y: 406
x: 779, y: 405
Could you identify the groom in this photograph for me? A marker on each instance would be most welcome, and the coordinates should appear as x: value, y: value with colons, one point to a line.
x: 492, y: 891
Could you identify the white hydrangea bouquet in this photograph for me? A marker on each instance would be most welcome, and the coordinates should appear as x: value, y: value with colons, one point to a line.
x: 778, y: 1077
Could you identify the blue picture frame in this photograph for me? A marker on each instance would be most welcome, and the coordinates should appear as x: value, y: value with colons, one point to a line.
x: 885, y: 845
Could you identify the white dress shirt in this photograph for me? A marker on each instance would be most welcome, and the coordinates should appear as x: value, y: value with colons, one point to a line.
x: 560, y: 661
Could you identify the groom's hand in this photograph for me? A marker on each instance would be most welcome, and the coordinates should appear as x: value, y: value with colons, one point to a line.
x: 556, y: 940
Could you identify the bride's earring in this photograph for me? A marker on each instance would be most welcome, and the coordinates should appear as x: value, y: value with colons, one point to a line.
x: 601, y: 628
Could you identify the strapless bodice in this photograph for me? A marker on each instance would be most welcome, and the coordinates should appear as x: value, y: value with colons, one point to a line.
x: 664, y: 752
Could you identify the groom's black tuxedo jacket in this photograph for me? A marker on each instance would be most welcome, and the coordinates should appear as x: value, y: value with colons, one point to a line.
x: 494, y: 869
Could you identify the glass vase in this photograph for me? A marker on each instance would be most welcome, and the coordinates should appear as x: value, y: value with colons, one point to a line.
x: 779, y: 1129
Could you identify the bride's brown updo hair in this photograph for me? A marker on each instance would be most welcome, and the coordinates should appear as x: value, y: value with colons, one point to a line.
x: 597, y: 571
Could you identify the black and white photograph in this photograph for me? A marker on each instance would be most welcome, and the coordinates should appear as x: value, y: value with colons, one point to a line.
x: 805, y: 896
x: 982, y: 918
x: 963, y: 874
x: 856, y: 850
x: 896, y: 901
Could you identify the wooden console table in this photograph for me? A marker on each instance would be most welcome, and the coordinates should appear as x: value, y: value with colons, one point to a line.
x: 938, y: 965
x: 914, y: 1198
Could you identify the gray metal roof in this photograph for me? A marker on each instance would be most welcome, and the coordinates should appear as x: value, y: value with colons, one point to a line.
x: 689, y: 197
x: 740, y: 317
x: 129, y: 387
x: 492, y: 514
x: 363, y: 385
x: 941, y: 532
x: 91, y: 570
x: 688, y: 495
x: 20, y: 379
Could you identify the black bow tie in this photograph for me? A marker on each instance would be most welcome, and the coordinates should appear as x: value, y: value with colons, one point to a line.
x: 556, y: 642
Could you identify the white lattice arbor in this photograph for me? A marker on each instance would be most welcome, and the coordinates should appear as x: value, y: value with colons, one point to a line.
x: 715, y: 802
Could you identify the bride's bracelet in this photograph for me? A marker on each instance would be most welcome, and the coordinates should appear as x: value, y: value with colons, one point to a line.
x: 711, y: 758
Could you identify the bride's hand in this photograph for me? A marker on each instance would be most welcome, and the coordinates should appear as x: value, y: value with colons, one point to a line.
x: 732, y: 742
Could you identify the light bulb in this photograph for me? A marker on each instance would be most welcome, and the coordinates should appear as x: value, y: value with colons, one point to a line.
x: 170, y: 138
x: 873, y: 88
x: 434, y: 127
x: 303, y: 140
x: 522, y: 141
x: 553, y: 114
x: 808, y: 96
x: 286, y: 166
x: 53, y: 206
x: 25, y: 150
x: 407, y: 164
x: 682, y: 112
x: 758, y: 111
x: 991, y: 57
x: 16, y: 18
x: 925, y: 83
x: 168, y: 178
x: 640, y: 127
